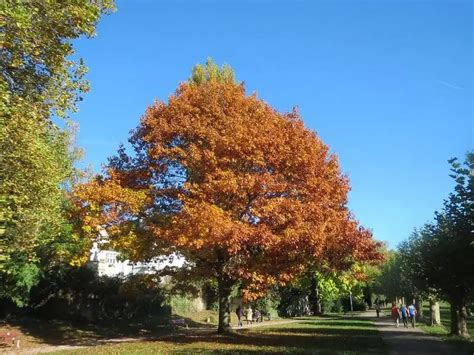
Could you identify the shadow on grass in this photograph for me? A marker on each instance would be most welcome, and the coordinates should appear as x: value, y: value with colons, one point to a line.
x: 302, y: 340
x: 328, y: 335
x: 347, y: 332
x: 442, y: 332
x: 346, y: 323
x: 81, y: 333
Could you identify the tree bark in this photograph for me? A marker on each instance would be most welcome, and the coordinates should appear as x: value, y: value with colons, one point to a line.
x: 435, y: 318
x: 419, y: 308
x: 459, y: 320
x: 314, y: 296
x: 224, y: 287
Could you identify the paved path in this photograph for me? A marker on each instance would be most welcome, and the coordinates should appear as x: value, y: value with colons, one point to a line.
x: 411, y: 341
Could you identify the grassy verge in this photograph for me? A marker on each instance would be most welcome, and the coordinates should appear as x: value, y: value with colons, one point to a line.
x: 443, y: 330
x: 326, y: 336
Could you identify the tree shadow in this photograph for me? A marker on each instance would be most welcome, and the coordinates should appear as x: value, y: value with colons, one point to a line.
x: 82, y: 333
x: 291, y: 339
x: 347, y: 332
x: 312, y: 334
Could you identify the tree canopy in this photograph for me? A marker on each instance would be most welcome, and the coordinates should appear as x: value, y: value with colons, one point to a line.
x: 242, y: 191
x: 39, y: 82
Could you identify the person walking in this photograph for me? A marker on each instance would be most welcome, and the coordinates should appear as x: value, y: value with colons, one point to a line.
x: 396, y: 314
x: 240, y: 313
x: 256, y: 315
x: 412, y: 313
x: 249, y: 315
x: 377, y: 309
x: 404, y: 311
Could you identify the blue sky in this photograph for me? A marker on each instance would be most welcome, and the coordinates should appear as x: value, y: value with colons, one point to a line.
x: 386, y: 84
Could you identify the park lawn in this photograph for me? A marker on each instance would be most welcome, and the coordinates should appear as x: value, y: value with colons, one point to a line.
x: 35, y: 333
x: 332, y: 335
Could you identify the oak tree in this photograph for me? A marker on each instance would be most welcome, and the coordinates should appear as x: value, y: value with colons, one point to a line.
x: 245, y: 193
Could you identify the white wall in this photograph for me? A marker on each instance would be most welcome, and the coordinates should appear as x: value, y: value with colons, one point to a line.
x: 107, y: 263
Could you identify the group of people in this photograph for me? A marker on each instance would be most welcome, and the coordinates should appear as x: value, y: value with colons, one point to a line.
x: 405, y: 314
x: 250, y: 315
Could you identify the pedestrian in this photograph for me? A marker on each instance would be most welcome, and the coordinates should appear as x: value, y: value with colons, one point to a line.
x: 256, y: 315
x: 395, y: 314
x: 412, y: 313
x: 249, y: 315
x: 377, y: 309
x: 240, y: 313
x: 404, y: 311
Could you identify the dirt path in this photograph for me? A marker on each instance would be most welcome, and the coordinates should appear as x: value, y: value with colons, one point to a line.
x: 411, y: 341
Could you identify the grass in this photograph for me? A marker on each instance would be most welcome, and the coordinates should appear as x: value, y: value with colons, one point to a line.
x: 34, y: 334
x: 444, y: 329
x: 335, y: 335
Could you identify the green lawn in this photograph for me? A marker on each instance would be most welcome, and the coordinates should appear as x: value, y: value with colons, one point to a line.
x: 332, y: 335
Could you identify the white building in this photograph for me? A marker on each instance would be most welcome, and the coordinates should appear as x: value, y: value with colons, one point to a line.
x: 107, y: 262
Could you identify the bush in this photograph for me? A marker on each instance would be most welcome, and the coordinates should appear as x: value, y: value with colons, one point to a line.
x: 181, y: 304
x: 357, y: 304
x: 332, y: 306
x: 293, y: 302
x: 77, y: 293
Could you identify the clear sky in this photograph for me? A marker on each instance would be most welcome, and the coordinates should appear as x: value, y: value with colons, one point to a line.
x: 386, y: 84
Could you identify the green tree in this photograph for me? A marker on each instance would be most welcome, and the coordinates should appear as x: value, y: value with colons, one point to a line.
x: 36, y: 49
x: 38, y: 82
x: 391, y: 281
x: 439, y: 258
x: 451, y: 254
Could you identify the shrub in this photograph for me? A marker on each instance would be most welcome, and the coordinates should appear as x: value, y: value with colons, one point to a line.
x: 77, y: 293
x: 293, y: 302
x: 181, y: 304
x: 334, y: 306
x: 357, y: 304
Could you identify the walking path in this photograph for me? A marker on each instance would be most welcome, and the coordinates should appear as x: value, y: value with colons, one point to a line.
x: 411, y: 341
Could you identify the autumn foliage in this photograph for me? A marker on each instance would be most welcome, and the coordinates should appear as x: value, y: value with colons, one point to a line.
x: 243, y: 192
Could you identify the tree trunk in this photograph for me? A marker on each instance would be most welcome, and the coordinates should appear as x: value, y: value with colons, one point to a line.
x: 435, y: 318
x: 419, y: 308
x: 459, y: 320
x: 224, y: 286
x: 314, y: 296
